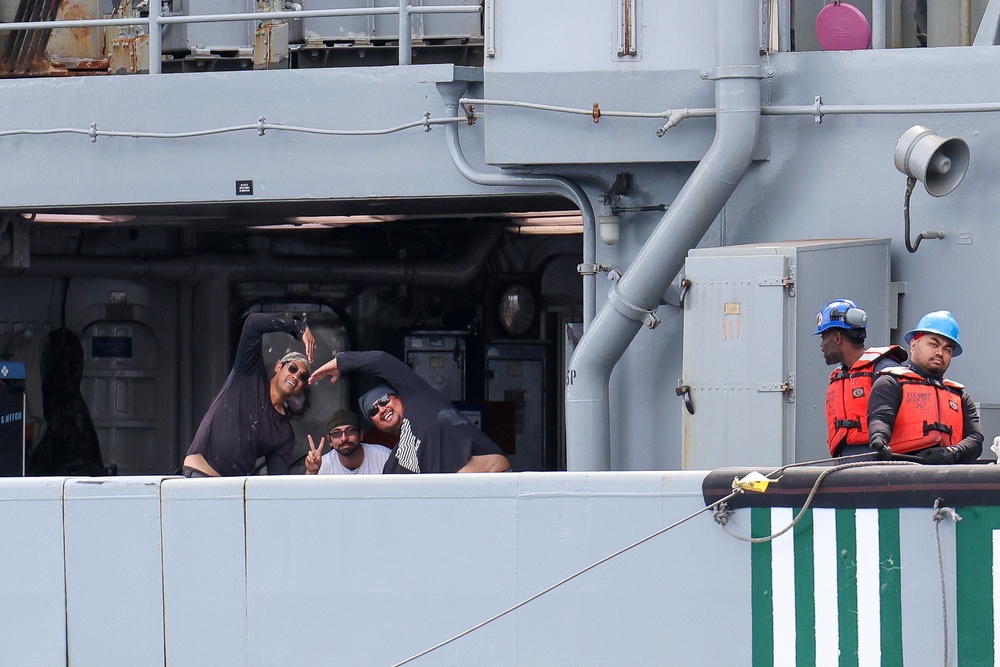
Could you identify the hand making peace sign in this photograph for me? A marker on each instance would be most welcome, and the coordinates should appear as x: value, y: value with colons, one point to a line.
x: 314, y: 457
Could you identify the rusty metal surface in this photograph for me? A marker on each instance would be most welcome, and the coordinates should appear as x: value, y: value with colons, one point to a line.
x: 55, y: 52
x: 129, y: 54
x: 270, y: 45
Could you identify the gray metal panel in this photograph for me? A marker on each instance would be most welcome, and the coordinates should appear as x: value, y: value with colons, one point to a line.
x: 853, y: 269
x: 989, y: 422
x: 339, y: 28
x: 440, y: 360
x: 32, y: 589
x: 319, y: 548
x: 822, y: 270
x: 735, y: 361
x: 114, y: 572
x: 386, y: 27
x: 516, y: 373
x: 204, y: 571
x: 431, y: 26
x: 412, y: 163
x: 584, y: 514
x: 219, y: 36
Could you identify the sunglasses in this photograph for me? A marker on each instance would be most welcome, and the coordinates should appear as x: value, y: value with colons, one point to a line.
x: 377, y: 405
x: 303, y: 373
x: 342, y: 432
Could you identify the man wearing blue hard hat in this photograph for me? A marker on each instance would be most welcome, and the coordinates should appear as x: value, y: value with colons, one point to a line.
x: 842, y: 327
x: 915, y: 410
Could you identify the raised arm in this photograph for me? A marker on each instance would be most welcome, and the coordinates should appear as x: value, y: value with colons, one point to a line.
x: 249, y: 357
x: 403, y: 378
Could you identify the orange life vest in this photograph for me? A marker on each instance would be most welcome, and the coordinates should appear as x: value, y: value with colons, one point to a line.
x: 847, y: 398
x: 929, y: 414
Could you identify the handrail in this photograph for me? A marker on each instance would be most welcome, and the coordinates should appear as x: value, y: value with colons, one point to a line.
x: 404, y: 10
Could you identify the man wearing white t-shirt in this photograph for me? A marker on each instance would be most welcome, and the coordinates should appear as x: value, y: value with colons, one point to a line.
x: 347, y: 455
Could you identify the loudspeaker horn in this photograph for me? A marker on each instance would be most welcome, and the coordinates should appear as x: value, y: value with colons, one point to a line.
x: 939, y: 163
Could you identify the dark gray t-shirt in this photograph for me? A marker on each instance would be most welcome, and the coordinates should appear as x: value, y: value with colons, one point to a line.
x: 242, y: 425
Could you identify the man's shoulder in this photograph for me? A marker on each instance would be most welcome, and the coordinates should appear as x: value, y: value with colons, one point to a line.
x: 377, y: 454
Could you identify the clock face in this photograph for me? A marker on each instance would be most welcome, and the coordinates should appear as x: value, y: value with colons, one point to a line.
x: 517, y: 309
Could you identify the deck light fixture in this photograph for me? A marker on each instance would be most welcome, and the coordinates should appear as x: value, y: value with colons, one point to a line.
x: 939, y: 163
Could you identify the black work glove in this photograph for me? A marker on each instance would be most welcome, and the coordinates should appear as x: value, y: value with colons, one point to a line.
x: 879, y: 444
x: 937, y: 456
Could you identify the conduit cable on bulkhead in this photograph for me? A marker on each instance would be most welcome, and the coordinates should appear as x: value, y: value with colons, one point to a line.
x: 674, y: 116
x: 817, y: 110
x: 260, y: 127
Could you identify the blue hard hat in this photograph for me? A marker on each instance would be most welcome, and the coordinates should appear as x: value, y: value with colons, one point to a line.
x: 841, y: 314
x: 940, y: 322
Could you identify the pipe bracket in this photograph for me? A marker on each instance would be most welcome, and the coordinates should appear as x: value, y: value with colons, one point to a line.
x: 817, y: 109
x: 737, y: 72
x: 591, y: 269
x: 629, y: 310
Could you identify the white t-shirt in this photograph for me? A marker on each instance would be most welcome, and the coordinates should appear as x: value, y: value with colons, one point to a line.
x: 375, y: 458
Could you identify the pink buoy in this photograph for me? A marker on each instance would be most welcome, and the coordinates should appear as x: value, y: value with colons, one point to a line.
x: 842, y: 27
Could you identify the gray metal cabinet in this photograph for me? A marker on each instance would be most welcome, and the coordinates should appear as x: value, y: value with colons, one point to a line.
x: 757, y: 380
x: 439, y: 358
x: 516, y: 373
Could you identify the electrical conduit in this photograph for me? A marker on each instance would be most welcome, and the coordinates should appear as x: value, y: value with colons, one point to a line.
x: 538, y: 183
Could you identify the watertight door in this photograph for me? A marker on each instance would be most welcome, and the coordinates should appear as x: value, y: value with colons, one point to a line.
x: 122, y: 384
x: 735, y: 365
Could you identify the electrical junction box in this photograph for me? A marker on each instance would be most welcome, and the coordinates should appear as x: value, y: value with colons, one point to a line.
x: 755, y: 377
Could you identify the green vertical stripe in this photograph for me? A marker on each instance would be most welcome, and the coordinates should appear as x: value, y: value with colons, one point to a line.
x: 761, y: 590
x: 974, y: 584
x: 890, y: 588
x: 847, y: 587
x: 805, y: 600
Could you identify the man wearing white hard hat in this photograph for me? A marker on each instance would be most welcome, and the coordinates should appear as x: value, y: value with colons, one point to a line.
x: 915, y: 410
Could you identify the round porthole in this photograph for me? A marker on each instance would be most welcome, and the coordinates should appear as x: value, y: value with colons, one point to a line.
x: 517, y: 309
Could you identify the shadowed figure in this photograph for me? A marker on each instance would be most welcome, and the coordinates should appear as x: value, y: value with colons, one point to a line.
x: 70, y: 445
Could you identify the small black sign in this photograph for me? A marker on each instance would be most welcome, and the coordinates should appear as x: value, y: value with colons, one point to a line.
x: 111, y: 347
x: 244, y: 188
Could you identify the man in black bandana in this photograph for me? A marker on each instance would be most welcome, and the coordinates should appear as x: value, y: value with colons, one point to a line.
x: 432, y: 435
x: 249, y: 417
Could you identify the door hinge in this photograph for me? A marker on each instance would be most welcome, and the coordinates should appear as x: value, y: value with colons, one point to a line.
x: 787, y: 282
x: 787, y: 388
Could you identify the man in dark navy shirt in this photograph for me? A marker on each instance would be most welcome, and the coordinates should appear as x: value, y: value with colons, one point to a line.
x: 249, y: 417
x: 432, y: 435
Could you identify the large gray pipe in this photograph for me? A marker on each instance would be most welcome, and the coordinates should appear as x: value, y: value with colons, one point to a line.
x: 538, y: 183
x: 737, y: 102
x: 240, y: 268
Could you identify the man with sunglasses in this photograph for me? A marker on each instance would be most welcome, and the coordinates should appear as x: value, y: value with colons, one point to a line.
x: 347, y: 455
x: 432, y: 436
x: 249, y: 417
